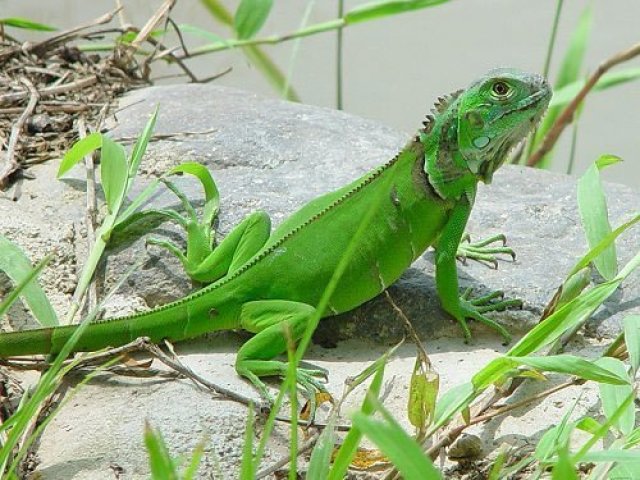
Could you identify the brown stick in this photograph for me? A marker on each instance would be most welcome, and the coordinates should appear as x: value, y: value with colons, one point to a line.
x: 45, y: 92
x: 10, y: 163
x: 61, y: 37
x: 566, y: 117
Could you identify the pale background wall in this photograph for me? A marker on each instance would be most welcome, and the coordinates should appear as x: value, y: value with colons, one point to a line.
x: 394, y: 68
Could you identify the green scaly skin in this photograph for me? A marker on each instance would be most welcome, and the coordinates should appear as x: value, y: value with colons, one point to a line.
x: 261, y: 280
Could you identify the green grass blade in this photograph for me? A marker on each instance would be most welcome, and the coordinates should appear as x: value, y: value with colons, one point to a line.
x: 48, y: 383
x: 140, y: 147
x: 603, y: 431
x: 162, y: 466
x: 247, y: 467
x: 613, y: 395
x: 26, y: 24
x: 569, y: 73
x: 602, y: 245
x: 250, y: 17
x: 78, y: 151
x: 385, y: 8
x: 15, y: 264
x: 556, y: 437
x: 632, y: 340
x: 614, y: 455
x: 577, y: 366
x: 138, y: 201
x: 352, y: 440
x: 191, y: 472
x: 405, y: 454
x: 564, y: 469
x: 450, y: 403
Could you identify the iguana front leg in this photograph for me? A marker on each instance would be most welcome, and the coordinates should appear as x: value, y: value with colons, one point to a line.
x: 460, y: 307
x: 269, y: 320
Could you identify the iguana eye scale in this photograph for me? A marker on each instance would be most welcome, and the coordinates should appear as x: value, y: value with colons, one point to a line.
x: 501, y: 89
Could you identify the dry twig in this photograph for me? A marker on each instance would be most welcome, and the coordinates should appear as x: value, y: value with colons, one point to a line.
x: 10, y: 164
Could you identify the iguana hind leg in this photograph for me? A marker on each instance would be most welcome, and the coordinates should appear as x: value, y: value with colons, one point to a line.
x: 270, y: 320
x: 242, y: 243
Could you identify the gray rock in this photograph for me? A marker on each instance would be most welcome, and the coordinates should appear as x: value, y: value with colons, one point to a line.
x: 272, y: 155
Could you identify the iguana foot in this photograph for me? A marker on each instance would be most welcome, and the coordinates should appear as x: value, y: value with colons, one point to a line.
x: 475, y: 307
x: 307, y: 378
x: 481, y: 251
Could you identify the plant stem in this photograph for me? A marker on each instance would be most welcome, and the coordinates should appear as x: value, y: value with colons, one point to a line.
x: 339, y: 47
x: 552, y: 38
x: 270, y: 40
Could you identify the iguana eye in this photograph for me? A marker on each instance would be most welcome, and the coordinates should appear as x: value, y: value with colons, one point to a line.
x: 500, y: 89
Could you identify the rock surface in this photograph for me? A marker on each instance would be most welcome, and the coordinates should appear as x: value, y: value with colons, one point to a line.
x: 273, y: 155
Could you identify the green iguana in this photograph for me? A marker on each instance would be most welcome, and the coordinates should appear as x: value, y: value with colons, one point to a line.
x: 261, y: 280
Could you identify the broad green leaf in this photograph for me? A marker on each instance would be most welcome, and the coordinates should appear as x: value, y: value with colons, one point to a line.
x: 405, y: 454
x: 573, y: 365
x: 570, y: 315
x: 562, y: 96
x: 370, y: 11
x: 140, y: 147
x: 78, y: 151
x: 632, y: 340
x: 564, y: 469
x: 15, y: 264
x: 212, y: 196
x: 569, y: 72
x: 595, y: 218
x: 423, y: 391
x: 113, y: 173
x: 250, y: 17
x: 25, y: 23
x: 162, y: 466
x: 247, y: 471
x: 613, y: 395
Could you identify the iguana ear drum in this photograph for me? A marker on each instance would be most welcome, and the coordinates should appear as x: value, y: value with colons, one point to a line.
x: 474, y: 119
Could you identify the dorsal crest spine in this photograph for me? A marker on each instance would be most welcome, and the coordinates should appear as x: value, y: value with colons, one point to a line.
x: 441, y: 105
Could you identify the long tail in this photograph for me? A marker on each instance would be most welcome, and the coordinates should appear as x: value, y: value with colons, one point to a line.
x: 156, y: 325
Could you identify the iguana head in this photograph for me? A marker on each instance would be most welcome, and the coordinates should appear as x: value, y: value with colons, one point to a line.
x: 495, y: 113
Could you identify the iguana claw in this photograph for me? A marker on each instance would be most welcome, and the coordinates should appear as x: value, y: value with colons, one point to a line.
x: 480, y: 252
x: 475, y: 307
